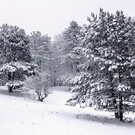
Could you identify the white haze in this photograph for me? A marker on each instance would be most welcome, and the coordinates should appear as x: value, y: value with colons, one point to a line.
x: 53, y: 16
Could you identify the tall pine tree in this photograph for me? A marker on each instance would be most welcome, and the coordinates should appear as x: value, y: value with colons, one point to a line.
x: 107, y: 79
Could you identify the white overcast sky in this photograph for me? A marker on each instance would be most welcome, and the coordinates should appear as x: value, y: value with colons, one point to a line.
x: 53, y: 16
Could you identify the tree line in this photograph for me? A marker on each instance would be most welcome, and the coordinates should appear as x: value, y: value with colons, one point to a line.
x: 97, y: 60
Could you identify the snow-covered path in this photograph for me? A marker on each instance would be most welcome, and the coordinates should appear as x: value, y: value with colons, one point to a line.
x: 22, y: 116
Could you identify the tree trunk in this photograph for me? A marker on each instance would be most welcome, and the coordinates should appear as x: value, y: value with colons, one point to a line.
x: 121, y: 116
x: 9, y: 76
x: 116, y: 115
x: 114, y: 98
x: 10, y: 88
x: 121, y: 109
x: 121, y: 100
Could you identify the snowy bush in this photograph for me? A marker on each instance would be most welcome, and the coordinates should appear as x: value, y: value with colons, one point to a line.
x: 16, y: 73
x: 14, y: 84
x: 40, y: 85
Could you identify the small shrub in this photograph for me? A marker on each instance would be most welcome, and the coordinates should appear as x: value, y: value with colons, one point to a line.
x: 40, y: 85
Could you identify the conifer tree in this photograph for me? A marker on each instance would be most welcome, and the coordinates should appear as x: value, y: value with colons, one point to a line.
x: 71, y: 40
x: 15, y: 51
x: 40, y: 49
x: 107, y: 75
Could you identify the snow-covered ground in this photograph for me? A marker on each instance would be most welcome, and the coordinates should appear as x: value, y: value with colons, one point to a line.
x: 20, y: 115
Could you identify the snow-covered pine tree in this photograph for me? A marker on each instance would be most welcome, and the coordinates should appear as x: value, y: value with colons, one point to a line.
x: 15, y: 51
x: 14, y: 44
x: 67, y: 58
x: 40, y: 49
x: 71, y: 40
x: 107, y: 81
x: 57, y: 48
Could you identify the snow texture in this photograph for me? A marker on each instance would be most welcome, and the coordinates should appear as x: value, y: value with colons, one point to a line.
x: 19, y: 115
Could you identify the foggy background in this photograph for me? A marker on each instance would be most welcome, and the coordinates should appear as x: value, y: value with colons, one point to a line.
x: 52, y: 16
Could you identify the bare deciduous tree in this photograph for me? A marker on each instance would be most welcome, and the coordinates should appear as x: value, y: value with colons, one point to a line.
x: 40, y: 85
